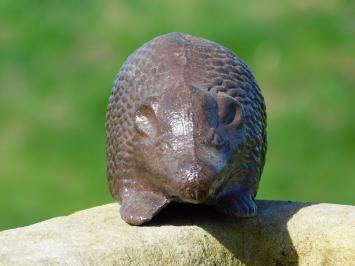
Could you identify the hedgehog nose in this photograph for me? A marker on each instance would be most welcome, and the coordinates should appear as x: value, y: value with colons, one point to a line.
x: 196, y: 180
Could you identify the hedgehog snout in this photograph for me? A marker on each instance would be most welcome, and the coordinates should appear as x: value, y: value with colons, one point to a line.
x: 196, y: 179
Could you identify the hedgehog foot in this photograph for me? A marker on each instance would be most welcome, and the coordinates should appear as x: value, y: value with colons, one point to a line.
x: 139, y: 207
x: 238, y: 203
x: 244, y: 206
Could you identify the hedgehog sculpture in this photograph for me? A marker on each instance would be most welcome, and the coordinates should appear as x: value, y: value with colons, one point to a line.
x: 186, y: 122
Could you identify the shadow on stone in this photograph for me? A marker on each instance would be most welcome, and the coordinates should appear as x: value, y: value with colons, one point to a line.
x: 263, y: 240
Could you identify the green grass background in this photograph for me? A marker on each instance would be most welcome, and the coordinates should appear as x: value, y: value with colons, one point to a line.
x: 58, y: 60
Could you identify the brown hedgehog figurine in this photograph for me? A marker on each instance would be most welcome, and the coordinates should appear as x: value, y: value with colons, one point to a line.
x: 186, y: 122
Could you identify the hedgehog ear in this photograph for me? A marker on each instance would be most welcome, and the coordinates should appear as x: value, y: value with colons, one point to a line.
x: 146, y: 121
x: 230, y: 111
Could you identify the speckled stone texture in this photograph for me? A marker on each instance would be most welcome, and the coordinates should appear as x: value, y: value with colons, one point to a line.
x: 282, y: 234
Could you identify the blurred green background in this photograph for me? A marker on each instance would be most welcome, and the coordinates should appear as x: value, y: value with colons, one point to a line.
x: 58, y: 60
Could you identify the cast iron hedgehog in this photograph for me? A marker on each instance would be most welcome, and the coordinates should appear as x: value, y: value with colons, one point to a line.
x: 186, y: 122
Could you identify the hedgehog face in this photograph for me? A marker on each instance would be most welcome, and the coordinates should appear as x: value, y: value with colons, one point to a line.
x: 185, y: 139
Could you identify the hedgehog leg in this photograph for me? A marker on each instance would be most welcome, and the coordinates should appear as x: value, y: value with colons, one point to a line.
x: 139, y: 207
x: 238, y: 202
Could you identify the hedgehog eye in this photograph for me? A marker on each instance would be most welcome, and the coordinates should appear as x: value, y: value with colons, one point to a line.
x: 230, y: 111
x: 146, y: 121
x: 164, y: 146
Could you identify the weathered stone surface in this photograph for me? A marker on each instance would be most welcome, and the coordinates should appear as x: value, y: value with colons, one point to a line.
x: 282, y: 234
